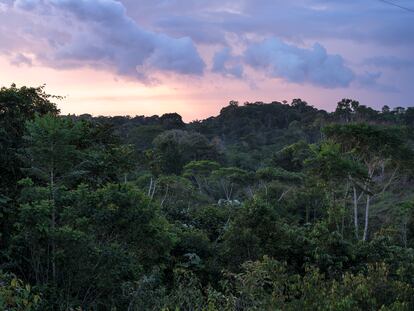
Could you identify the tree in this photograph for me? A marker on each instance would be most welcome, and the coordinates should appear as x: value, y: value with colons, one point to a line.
x: 17, y: 105
x: 171, y: 121
x: 229, y: 178
x: 236, y: 212
x: 292, y: 157
x: 267, y: 284
x: 345, y: 108
x: 337, y: 172
x: 175, y: 148
x: 409, y: 117
x: 384, y: 153
x: 50, y: 153
x: 277, y: 183
x: 17, y: 296
x: 199, y: 172
x: 102, y: 239
x: 108, y: 163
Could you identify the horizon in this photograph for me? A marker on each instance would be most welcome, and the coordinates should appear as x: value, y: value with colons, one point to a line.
x: 240, y: 104
x: 109, y: 57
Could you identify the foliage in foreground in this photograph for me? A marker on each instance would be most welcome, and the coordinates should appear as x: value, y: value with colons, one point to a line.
x: 264, y: 207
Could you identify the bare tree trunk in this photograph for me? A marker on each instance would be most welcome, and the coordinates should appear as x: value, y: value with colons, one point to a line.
x: 227, y: 189
x: 356, y: 214
x: 283, y: 194
x: 154, y: 186
x: 404, y: 233
x: 198, y: 183
x: 150, y: 187
x: 364, y: 238
x: 165, y: 196
x: 371, y: 171
x: 344, y: 209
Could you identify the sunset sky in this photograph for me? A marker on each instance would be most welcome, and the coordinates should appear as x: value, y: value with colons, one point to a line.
x: 136, y: 57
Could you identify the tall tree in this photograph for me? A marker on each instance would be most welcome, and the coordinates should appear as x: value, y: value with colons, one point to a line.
x: 18, y: 105
x: 384, y: 151
x: 337, y: 172
x: 50, y: 153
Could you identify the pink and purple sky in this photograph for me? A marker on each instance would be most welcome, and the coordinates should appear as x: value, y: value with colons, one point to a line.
x: 145, y: 57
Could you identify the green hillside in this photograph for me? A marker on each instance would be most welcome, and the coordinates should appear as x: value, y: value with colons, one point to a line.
x: 267, y: 206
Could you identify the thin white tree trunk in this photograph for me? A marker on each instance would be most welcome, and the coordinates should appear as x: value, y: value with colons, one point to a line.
x: 150, y: 187
x: 356, y: 214
x: 165, y: 196
x: 283, y: 194
x: 154, y: 186
x: 404, y: 233
x: 364, y: 238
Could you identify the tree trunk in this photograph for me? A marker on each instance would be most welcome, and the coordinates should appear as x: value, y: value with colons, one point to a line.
x: 404, y: 233
x: 364, y: 238
x: 165, y: 196
x: 356, y: 214
x: 198, y: 183
x: 150, y: 187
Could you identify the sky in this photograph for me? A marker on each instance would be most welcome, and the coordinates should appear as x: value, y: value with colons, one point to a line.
x: 146, y: 57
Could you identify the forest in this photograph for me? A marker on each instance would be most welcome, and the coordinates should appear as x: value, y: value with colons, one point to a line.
x: 267, y: 206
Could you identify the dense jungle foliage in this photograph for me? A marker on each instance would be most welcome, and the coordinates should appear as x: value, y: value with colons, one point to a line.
x: 264, y: 207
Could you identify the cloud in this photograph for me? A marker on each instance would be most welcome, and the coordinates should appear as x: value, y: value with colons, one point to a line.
x: 392, y: 62
x: 26, y: 4
x: 21, y: 59
x: 370, y: 80
x: 227, y: 64
x: 299, y: 65
x: 141, y: 38
x: 99, y: 33
x: 3, y: 7
x: 210, y: 21
x: 198, y: 29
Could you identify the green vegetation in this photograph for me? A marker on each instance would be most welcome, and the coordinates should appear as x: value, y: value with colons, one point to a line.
x: 264, y: 207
